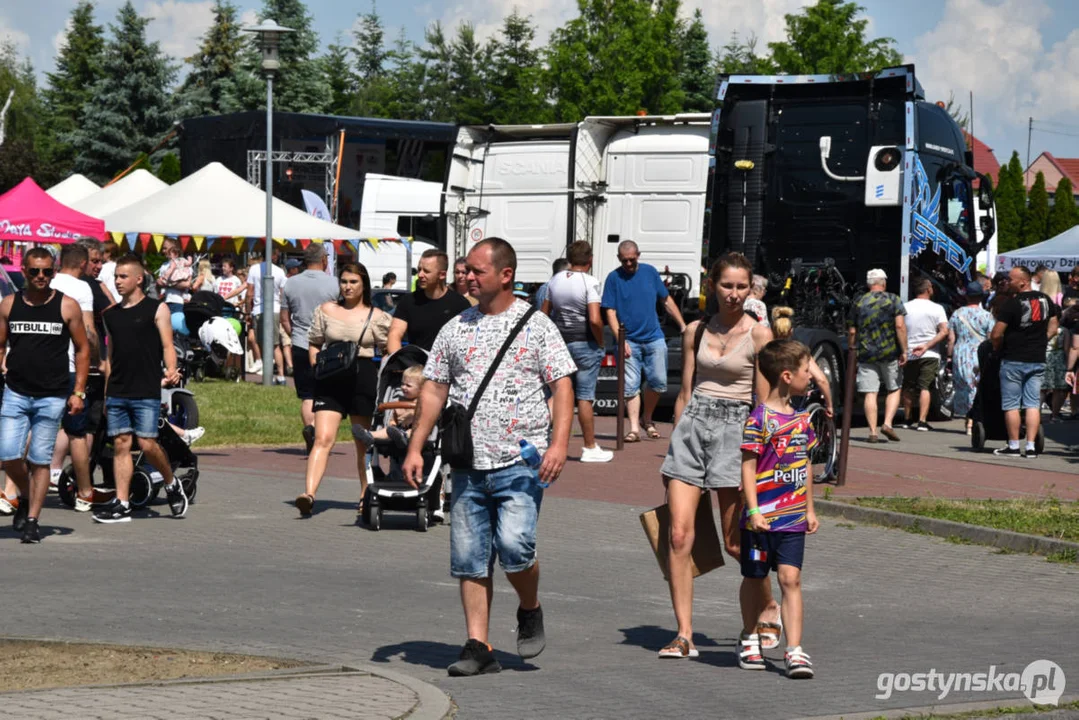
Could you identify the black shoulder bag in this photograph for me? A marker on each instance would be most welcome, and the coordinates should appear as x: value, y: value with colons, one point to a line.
x: 456, y: 422
x: 337, y: 357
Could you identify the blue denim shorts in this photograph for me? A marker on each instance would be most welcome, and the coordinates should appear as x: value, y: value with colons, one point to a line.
x: 1021, y: 385
x: 588, y: 356
x: 493, y: 512
x: 25, y: 418
x: 126, y: 416
x: 650, y: 360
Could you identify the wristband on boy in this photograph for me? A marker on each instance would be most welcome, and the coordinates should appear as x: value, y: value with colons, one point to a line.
x: 753, y: 511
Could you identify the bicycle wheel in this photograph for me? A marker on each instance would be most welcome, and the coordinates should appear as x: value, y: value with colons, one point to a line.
x: 825, y: 456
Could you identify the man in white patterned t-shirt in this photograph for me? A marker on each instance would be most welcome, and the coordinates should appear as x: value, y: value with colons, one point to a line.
x: 496, y: 502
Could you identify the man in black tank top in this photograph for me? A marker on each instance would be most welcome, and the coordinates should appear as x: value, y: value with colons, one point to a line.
x: 36, y: 326
x: 139, y: 340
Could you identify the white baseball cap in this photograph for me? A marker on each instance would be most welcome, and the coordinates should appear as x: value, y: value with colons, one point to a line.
x: 876, y: 276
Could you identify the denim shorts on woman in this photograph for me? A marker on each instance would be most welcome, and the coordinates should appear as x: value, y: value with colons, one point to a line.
x: 494, y: 512
x: 25, y: 418
x: 126, y: 416
x: 706, y: 445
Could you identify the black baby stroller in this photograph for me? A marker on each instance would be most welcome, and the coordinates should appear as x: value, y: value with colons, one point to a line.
x: 388, y: 489
x: 203, y: 307
x: 146, y: 482
x: 987, y: 419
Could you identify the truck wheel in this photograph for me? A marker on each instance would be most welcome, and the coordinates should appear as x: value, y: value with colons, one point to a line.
x: 828, y: 360
x: 942, y: 395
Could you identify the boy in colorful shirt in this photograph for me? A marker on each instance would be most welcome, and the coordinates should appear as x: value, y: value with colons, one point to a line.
x: 777, y: 479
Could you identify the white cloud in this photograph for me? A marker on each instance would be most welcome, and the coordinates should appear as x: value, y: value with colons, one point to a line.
x: 178, y: 25
x: 9, y: 34
x: 997, y: 51
x: 760, y: 18
x: 59, y: 40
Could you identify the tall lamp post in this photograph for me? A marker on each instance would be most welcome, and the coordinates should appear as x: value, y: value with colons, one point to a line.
x: 269, y: 38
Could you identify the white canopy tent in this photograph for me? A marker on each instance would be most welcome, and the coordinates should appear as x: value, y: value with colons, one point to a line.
x: 73, y: 189
x: 215, y: 202
x: 1060, y: 253
x: 128, y: 191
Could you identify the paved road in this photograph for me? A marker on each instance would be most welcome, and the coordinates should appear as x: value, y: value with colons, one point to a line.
x: 242, y: 573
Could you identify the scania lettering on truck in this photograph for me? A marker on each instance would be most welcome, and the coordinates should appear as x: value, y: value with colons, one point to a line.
x: 817, y: 179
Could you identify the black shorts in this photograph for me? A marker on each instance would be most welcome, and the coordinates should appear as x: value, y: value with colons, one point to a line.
x: 93, y: 413
x: 349, y: 393
x: 302, y: 374
x: 772, y: 550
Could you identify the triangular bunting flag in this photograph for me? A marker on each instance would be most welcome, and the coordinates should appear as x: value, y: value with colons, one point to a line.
x: 251, y: 243
x: 144, y: 239
x: 238, y: 244
x: 131, y: 238
x: 117, y: 237
x: 158, y: 241
x: 291, y: 241
x: 184, y: 240
x: 374, y: 242
x: 198, y: 242
x: 304, y: 243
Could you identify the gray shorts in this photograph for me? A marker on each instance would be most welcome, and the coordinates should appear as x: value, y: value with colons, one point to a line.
x: 706, y: 444
x: 872, y: 375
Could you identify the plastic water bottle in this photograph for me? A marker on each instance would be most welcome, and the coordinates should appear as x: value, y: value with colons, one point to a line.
x: 531, y: 457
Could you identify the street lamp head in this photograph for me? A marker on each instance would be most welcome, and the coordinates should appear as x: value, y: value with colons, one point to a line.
x: 269, y: 37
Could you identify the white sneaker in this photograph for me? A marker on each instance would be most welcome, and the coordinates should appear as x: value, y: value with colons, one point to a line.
x: 54, y: 479
x: 193, y: 435
x: 256, y: 367
x: 596, y: 455
x: 6, y: 506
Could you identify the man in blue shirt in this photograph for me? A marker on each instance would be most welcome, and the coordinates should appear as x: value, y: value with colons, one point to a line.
x: 630, y: 296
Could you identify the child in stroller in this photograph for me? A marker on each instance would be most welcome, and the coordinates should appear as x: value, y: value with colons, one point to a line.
x: 387, y: 489
x: 403, y: 412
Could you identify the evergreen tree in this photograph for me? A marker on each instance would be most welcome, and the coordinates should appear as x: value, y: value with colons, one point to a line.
x: 342, y: 80
x: 1010, y: 199
x: 741, y: 58
x: 437, y: 58
x: 828, y: 38
x: 217, y: 69
x: 697, y: 76
x: 78, y: 68
x: 370, y: 49
x: 1036, y: 222
x: 300, y: 84
x: 618, y: 57
x: 169, y: 169
x: 129, y: 111
x: 468, y: 88
x: 516, y: 74
x: 402, y: 90
x: 1063, y: 215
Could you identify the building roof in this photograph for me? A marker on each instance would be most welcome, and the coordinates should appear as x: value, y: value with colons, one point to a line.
x: 985, y: 161
x: 1068, y: 167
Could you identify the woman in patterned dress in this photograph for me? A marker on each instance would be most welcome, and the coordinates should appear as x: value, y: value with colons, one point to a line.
x: 968, y: 327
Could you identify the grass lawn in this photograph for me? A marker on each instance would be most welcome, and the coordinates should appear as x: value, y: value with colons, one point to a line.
x: 250, y: 414
x: 1003, y: 712
x: 1047, y: 517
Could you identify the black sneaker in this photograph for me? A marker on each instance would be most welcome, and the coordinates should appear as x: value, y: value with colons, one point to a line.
x: 530, y: 636
x: 18, y: 521
x: 1030, y: 454
x: 922, y: 427
x: 113, y: 512
x: 475, y: 659
x: 31, y: 534
x: 1008, y: 452
x: 177, y: 498
x: 309, y: 437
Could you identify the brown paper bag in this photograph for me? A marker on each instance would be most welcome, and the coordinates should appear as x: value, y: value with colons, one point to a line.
x: 707, y: 553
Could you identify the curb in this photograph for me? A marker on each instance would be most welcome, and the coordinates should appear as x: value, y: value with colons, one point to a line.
x: 1006, y: 539
x: 958, y: 708
x: 431, y: 703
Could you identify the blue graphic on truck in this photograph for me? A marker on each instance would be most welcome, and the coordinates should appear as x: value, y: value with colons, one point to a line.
x: 925, y: 233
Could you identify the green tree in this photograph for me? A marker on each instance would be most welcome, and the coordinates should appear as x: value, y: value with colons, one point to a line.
x: 697, y: 75
x: 1036, y: 221
x: 130, y: 109
x: 618, y: 57
x: 370, y: 48
x: 740, y: 57
x: 22, y: 123
x: 468, y: 86
x: 961, y: 116
x: 341, y: 78
x: 402, y: 90
x: 1010, y: 199
x: 300, y: 84
x: 437, y: 57
x: 69, y: 87
x: 214, y: 84
x: 169, y: 169
x: 829, y: 38
x: 516, y: 74
x: 1063, y: 215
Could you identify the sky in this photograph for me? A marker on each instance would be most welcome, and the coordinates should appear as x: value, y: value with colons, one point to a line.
x: 1020, y: 58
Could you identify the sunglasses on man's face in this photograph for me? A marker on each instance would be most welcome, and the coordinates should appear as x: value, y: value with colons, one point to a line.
x: 34, y: 272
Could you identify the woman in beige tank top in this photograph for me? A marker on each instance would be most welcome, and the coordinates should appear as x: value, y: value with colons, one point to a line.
x: 718, y: 383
